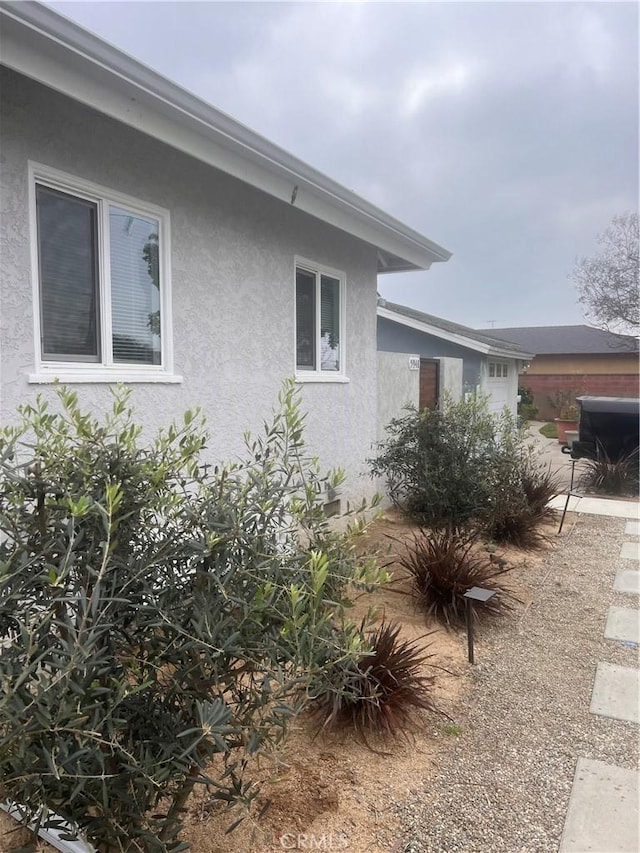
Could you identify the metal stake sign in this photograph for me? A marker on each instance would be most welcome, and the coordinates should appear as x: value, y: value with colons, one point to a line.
x: 476, y: 593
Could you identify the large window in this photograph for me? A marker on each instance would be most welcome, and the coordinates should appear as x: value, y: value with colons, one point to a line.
x: 102, y: 281
x: 319, y: 321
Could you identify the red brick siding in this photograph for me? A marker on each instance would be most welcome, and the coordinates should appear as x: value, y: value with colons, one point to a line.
x: 543, y: 386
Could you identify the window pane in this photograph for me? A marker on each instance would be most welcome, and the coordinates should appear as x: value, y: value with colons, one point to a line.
x: 329, y: 323
x: 504, y: 370
x: 305, y: 320
x: 69, y: 303
x: 135, y: 287
x: 492, y: 368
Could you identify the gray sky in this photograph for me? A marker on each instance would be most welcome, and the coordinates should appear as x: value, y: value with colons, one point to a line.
x: 507, y: 132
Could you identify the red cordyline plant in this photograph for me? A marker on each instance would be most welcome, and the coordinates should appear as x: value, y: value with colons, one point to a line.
x: 378, y: 689
x: 443, y: 565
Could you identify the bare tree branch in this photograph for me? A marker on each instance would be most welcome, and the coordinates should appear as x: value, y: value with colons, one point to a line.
x: 607, y: 282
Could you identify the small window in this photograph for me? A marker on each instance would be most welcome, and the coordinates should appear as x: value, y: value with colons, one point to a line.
x: 102, y: 278
x: 497, y: 370
x: 319, y: 296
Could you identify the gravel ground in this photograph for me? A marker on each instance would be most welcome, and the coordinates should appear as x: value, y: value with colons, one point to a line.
x: 505, y: 783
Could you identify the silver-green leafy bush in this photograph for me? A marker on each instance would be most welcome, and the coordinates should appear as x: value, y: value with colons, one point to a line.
x: 462, y: 467
x: 159, y: 618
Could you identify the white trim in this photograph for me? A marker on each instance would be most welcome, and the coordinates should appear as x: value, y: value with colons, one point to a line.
x: 49, y: 834
x: 49, y: 48
x: 105, y: 370
x: 452, y: 337
x: 437, y: 332
x: 325, y: 377
x: 319, y: 270
x: 66, y: 374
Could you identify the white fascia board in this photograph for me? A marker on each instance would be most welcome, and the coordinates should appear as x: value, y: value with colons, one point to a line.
x: 507, y: 353
x: 437, y: 332
x: 52, y: 50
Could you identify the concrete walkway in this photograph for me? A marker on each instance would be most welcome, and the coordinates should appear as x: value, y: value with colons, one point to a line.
x: 597, y: 506
x: 603, y: 809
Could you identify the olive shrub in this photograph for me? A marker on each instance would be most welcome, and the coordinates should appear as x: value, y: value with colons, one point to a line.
x: 159, y: 618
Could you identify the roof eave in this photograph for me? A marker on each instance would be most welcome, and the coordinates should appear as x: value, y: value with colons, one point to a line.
x: 452, y: 337
x: 41, y: 44
x: 507, y: 353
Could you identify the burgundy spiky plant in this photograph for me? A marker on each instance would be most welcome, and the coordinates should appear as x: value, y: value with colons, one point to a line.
x: 443, y: 565
x: 381, y: 691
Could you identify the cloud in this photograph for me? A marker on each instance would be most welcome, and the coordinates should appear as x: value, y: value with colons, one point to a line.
x: 508, y: 132
x: 429, y: 84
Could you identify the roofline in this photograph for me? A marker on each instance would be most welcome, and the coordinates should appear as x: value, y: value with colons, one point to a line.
x: 462, y: 340
x: 51, y: 49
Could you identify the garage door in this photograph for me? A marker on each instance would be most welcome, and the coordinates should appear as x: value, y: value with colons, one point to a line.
x: 498, y: 386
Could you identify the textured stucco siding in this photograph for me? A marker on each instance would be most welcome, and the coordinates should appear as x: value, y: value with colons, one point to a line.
x: 232, y: 267
x: 398, y: 386
x: 451, y: 381
x: 394, y: 337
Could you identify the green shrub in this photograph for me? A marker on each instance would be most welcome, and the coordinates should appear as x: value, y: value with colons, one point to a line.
x: 463, y: 467
x: 437, y: 463
x: 442, y: 566
x: 527, y: 410
x: 156, y: 613
x: 377, y: 687
x: 517, y: 503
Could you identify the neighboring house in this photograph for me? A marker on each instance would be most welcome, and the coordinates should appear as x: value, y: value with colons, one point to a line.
x: 489, y: 365
x: 574, y: 360
x: 148, y: 238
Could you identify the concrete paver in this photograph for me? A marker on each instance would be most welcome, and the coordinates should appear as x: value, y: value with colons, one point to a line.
x: 603, y: 810
x: 630, y: 551
x: 623, y: 623
x: 597, y: 506
x: 632, y: 528
x: 627, y: 580
x: 616, y: 692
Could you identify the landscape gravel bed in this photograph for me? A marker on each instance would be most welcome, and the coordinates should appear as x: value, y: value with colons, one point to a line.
x: 505, y: 783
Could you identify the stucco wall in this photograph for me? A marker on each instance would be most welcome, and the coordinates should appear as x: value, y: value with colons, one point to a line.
x: 398, y: 386
x: 232, y: 265
x: 394, y: 337
x: 451, y: 377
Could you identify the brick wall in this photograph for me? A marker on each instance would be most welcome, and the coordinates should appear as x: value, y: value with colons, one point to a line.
x: 598, y: 385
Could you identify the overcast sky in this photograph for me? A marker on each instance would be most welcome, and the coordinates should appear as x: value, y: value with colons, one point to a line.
x: 506, y: 132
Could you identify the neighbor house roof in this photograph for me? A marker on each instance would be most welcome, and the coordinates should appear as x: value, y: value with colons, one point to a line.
x: 449, y: 331
x: 45, y: 46
x: 566, y: 340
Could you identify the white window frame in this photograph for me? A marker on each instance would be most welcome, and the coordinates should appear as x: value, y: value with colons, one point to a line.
x: 503, y: 370
x: 105, y: 370
x: 320, y: 375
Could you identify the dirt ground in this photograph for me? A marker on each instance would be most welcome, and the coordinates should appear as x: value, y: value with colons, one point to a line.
x: 337, y: 787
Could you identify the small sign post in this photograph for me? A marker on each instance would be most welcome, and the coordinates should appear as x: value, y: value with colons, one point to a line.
x: 476, y: 593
